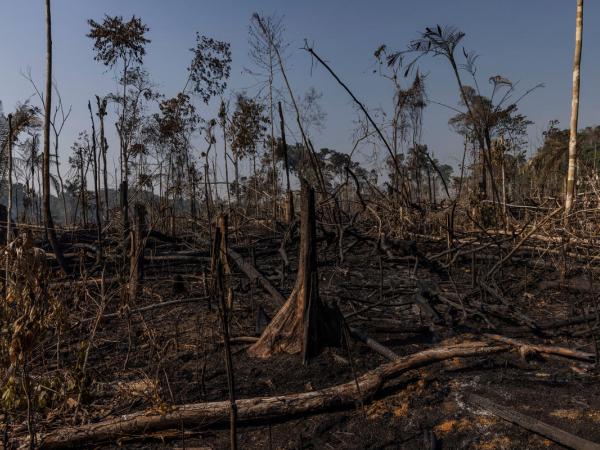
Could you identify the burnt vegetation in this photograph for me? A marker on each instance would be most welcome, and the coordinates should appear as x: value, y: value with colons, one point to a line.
x: 231, y: 284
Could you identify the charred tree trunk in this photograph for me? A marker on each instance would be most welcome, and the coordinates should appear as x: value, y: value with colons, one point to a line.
x: 304, y: 324
x: 207, y: 196
x: 83, y: 187
x: 224, y: 249
x: 124, y: 191
x: 136, y: 269
x: 226, y: 163
x: 236, y: 171
x: 103, y: 149
x: 124, y: 161
x: 10, y: 181
x: 220, y: 267
x: 254, y: 410
x: 96, y: 184
x: 48, y: 222
x: 289, y: 208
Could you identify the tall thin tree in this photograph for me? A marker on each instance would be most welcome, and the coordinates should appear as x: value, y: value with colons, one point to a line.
x: 103, y: 149
x: 48, y: 222
x: 10, y: 181
x: 96, y: 177
x: 118, y: 41
x: 571, y: 171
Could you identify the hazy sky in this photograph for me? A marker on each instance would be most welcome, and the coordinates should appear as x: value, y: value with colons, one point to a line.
x: 527, y: 41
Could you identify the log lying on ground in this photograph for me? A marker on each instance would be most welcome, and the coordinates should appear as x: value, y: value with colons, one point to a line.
x: 260, y: 408
x: 537, y: 426
x: 374, y: 345
x: 527, y: 348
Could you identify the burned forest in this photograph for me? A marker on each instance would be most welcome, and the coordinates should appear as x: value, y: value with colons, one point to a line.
x: 268, y: 237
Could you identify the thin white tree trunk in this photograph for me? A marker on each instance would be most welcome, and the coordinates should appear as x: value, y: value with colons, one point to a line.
x: 571, y: 172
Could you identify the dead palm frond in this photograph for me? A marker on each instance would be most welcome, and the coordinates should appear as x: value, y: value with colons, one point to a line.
x: 24, y: 117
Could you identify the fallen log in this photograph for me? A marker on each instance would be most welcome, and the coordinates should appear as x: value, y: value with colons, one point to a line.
x: 526, y: 348
x: 529, y: 423
x: 259, y: 408
x: 374, y: 345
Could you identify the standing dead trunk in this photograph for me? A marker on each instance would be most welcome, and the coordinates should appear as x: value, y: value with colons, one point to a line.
x: 83, y: 185
x: 10, y: 181
x: 503, y: 174
x: 136, y: 269
x: 571, y: 171
x: 60, y: 178
x: 219, y: 267
x: 124, y: 155
x: 289, y: 208
x: 304, y: 324
x: 225, y: 162
x: 96, y: 183
x: 224, y: 249
x: 103, y: 149
x: 48, y: 222
x: 272, y: 140
x: 238, y: 188
x: 207, y: 196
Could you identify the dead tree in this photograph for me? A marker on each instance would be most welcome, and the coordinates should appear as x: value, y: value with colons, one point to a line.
x: 304, y: 324
x: 220, y: 267
x: 96, y: 177
x: 571, y: 171
x: 136, y: 268
x: 103, y: 149
x: 224, y: 257
x: 48, y: 221
x: 289, y: 207
x: 10, y: 180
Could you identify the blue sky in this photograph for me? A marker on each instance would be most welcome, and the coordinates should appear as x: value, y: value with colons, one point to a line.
x: 527, y: 41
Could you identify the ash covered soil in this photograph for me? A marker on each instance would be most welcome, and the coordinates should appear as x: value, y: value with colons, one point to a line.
x: 149, y: 360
